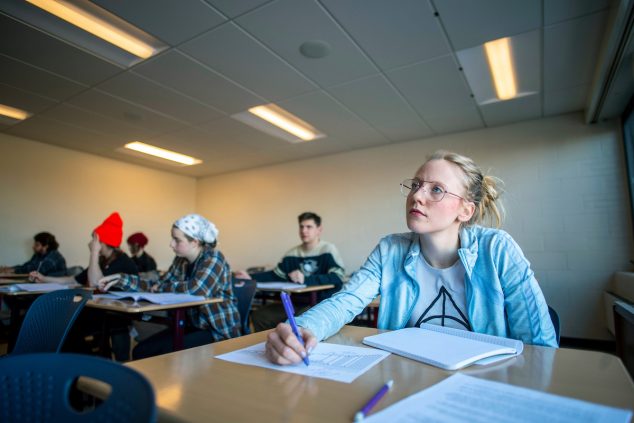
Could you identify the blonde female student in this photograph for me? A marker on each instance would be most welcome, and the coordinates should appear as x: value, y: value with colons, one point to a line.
x: 448, y: 270
x: 197, y: 269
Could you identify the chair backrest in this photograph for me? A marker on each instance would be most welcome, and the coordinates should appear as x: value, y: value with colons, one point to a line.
x: 37, y: 387
x: 244, y: 290
x: 555, y: 319
x: 74, y: 270
x: 49, y: 320
x: 624, y: 334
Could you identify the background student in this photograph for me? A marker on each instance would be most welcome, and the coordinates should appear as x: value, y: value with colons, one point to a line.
x: 46, y: 258
x: 106, y: 258
x: 448, y: 270
x: 313, y: 262
x: 197, y: 269
x: 136, y: 244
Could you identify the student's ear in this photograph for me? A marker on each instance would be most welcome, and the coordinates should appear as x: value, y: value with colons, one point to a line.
x: 466, y: 211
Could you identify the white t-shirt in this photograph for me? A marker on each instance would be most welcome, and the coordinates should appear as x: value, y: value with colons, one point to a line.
x: 442, y: 300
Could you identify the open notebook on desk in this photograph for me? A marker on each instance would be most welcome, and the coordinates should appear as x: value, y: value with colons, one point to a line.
x: 447, y: 348
x: 155, y: 298
x: 288, y: 286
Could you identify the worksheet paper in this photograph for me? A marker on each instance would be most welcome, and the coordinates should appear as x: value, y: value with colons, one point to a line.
x: 462, y: 398
x: 342, y: 363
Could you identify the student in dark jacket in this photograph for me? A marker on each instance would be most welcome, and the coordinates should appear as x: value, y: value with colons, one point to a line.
x: 46, y: 258
x: 136, y: 244
x: 313, y: 262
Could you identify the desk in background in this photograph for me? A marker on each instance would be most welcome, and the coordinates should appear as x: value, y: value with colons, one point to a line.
x: 176, y: 312
x: 312, y: 290
x: 192, y: 386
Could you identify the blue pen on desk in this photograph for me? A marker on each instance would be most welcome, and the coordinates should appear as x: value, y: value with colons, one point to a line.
x: 290, y: 313
x: 376, y: 398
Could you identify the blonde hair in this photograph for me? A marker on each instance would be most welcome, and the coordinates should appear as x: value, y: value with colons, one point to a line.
x: 483, y: 190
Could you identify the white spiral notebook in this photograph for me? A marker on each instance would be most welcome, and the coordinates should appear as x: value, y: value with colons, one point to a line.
x: 447, y: 348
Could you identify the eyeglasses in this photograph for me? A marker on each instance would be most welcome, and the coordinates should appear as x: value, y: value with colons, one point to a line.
x: 434, y: 191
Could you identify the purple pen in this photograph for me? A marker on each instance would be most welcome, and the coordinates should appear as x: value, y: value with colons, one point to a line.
x: 290, y: 313
x: 376, y: 398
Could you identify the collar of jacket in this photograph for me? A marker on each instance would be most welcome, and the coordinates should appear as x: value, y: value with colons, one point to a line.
x: 468, y: 252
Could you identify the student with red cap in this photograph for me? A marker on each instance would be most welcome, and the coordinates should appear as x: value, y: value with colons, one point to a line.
x: 106, y: 258
x: 136, y: 244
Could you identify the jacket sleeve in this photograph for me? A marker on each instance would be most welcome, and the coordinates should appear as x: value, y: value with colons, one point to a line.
x: 329, y: 316
x: 524, y: 303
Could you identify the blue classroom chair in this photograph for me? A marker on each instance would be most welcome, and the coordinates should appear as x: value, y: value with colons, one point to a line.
x: 39, y: 388
x: 244, y: 290
x: 49, y: 320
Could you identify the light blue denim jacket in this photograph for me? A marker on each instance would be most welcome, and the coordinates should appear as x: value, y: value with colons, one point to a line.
x: 503, y: 296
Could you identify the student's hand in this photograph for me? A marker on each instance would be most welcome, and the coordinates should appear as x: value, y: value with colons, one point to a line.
x: 36, y: 276
x: 296, y: 276
x: 283, y: 347
x: 94, y: 245
x: 108, y: 282
x: 241, y: 274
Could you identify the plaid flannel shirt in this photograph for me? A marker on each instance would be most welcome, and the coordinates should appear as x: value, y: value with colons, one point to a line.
x: 210, y: 277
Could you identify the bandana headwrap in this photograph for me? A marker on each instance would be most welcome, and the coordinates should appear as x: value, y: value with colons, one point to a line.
x: 197, y: 227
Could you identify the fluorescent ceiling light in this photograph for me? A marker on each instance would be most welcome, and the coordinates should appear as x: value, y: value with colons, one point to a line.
x: 96, y: 26
x: 286, y: 121
x: 162, y: 153
x: 501, y: 64
x: 13, y: 113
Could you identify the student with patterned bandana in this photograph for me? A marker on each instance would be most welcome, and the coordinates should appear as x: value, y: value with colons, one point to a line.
x: 313, y: 262
x: 197, y: 269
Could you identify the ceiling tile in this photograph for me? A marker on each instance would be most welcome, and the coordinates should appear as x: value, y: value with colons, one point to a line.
x: 336, y: 122
x: 94, y: 122
x: 459, y: 119
x: 28, y: 78
x: 171, y: 21
x: 470, y: 23
x: 24, y: 100
x: 571, y: 99
x: 509, y: 111
x: 144, y: 92
x: 562, y: 10
x: 64, y: 135
x: 115, y: 108
x: 374, y: 100
x: 434, y: 87
x: 39, y: 49
x: 233, y: 8
x: 271, y: 78
x: 307, y: 21
x: 571, y: 50
x: 183, y: 74
x: 412, y: 27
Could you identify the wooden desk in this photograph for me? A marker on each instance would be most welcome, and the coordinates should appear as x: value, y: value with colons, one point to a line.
x: 312, y: 290
x: 24, y: 276
x: 176, y: 312
x: 192, y: 386
x: 9, y: 281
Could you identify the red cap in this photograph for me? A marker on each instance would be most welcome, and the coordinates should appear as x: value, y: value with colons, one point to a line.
x: 138, y: 238
x: 111, y: 230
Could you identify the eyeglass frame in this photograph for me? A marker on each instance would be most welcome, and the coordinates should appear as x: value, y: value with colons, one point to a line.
x: 422, y: 185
